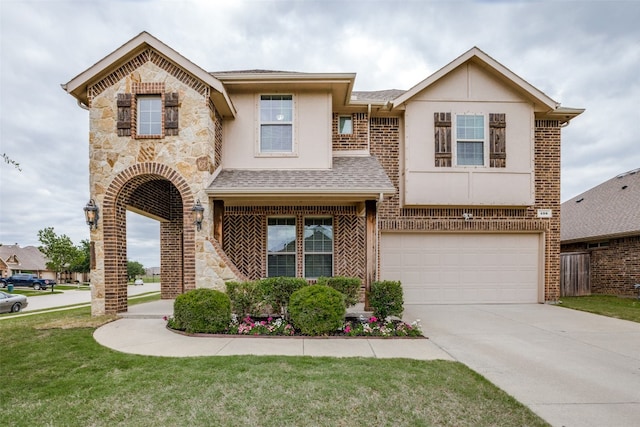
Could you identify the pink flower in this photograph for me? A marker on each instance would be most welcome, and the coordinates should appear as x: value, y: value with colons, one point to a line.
x: 165, y: 318
x: 373, y: 319
x: 347, y: 329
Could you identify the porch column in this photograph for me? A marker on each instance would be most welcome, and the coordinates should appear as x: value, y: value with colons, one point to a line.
x: 371, y: 249
x: 218, y: 218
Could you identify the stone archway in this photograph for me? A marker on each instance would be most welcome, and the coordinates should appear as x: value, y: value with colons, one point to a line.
x: 160, y: 192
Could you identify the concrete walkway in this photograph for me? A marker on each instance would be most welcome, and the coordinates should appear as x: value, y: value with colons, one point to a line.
x: 571, y: 368
x: 143, y: 331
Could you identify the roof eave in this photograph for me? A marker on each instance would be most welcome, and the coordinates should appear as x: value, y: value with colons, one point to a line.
x: 588, y: 239
x: 478, y: 55
x: 276, y: 193
x: 77, y: 86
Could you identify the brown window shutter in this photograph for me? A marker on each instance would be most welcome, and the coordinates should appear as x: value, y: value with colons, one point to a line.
x: 497, y: 141
x: 124, y: 114
x: 171, y: 113
x: 442, y: 126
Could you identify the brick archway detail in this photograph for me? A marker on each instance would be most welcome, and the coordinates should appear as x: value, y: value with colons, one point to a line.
x: 173, y: 200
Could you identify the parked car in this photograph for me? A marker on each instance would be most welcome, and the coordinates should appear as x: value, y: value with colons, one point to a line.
x: 29, y: 280
x: 138, y: 282
x: 12, y: 303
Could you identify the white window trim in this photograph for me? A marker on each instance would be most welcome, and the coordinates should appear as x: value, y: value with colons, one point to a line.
x: 140, y: 97
x: 294, y: 128
x: 454, y: 139
x: 345, y: 116
x: 333, y: 245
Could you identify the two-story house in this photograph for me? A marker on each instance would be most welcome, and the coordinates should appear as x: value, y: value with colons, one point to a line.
x: 452, y: 187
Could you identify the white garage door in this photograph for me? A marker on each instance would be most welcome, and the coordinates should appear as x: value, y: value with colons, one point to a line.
x: 462, y: 268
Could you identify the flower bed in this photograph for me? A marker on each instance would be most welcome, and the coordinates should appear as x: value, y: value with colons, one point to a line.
x: 353, y: 327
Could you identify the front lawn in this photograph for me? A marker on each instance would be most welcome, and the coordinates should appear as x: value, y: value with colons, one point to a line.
x: 56, y: 374
x: 607, y: 305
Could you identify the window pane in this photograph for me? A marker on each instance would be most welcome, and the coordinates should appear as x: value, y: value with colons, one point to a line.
x: 345, y: 125
x: 281, y: 235
x: 470, y: 127
x: 470, y: 153
x: 149, y: 115
x: 281, y: 265
x: 318, y: 235
x: 318, y: 265
x: 276, y: 108
x: 276, y: 138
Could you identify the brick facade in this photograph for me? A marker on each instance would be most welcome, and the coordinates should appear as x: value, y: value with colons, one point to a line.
x: 245, y: 237
x: 614, y: 268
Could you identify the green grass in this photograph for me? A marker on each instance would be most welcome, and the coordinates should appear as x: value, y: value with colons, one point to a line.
x: 30, y: 292
x: 56, y: 374
x: 607, y: 305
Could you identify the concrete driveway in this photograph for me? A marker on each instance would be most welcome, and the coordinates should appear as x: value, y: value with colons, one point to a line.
x: 569, y: 367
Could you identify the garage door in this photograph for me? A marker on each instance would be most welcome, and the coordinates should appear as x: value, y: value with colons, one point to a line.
x: 463, y: 268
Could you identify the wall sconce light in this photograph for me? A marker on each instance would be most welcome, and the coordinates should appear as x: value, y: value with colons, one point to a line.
x: 467, y: 216
x: 91, y: 214
x: 198, y: 214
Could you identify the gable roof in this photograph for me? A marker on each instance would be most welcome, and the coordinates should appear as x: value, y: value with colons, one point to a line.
x: 349, y: 178
x: 611, y: 209
x: 27, y: 258
x: 78, y: 85
x: 542, y: 102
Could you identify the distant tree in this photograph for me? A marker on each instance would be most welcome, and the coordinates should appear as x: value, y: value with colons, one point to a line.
x: 81, y: 264
x: 8, y: 160
x: 134, y: 268
x: 59, y: 250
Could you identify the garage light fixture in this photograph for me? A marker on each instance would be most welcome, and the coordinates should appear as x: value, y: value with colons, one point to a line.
x: 91, y: 214
x: 198, y: 214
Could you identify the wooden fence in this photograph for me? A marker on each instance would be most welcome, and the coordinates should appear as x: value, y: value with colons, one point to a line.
x: 574, y: 274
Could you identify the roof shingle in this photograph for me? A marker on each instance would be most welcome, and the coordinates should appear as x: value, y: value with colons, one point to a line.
x: 611, y: 209
x: 349, y: 175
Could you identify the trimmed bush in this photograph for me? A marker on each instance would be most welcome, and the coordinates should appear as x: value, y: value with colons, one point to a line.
x: 317, y: 310
x: 386, y: 299
x: 202, y: 311
x: 278, y: 290
x: 247, y: 298
x: 348, y: 286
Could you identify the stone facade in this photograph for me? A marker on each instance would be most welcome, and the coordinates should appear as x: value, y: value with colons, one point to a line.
x: 162, y: 176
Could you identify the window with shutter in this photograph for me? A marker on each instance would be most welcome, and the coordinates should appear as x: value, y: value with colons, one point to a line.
x: 497, y: 141
x: 442, y: 126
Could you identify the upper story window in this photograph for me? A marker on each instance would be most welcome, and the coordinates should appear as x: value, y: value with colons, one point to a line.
x: 276, y: 123
x: 345, y: 125
x: 470, y: 137
x: 477, y: 140
x: 149, y: 115
x: 148, y: 111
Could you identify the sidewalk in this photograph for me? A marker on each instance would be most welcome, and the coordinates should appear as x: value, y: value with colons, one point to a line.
x: 143, y: 331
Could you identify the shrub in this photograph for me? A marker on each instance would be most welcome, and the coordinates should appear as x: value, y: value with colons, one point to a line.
x: 247, y: 298
x: 278, y: 290
x: 386, y: 299
x: 202, y: 310
x: 348, y: 286
x: 317, y: 310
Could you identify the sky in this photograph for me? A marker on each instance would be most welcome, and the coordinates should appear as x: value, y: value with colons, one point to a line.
x: 583, y: 54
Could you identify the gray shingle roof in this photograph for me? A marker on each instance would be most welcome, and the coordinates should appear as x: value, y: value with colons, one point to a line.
x: 611, y: 209
x: 29, y: 257
x: 377, y: 95
x: 349, y: 175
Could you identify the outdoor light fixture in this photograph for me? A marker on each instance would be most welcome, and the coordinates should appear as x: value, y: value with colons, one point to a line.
x: 91, y: 214
x: 198, y: 214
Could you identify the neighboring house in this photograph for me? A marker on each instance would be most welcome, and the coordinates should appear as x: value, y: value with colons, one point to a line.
x: 452, y: 187
x: 601, y: 227
x: 16, y: 260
